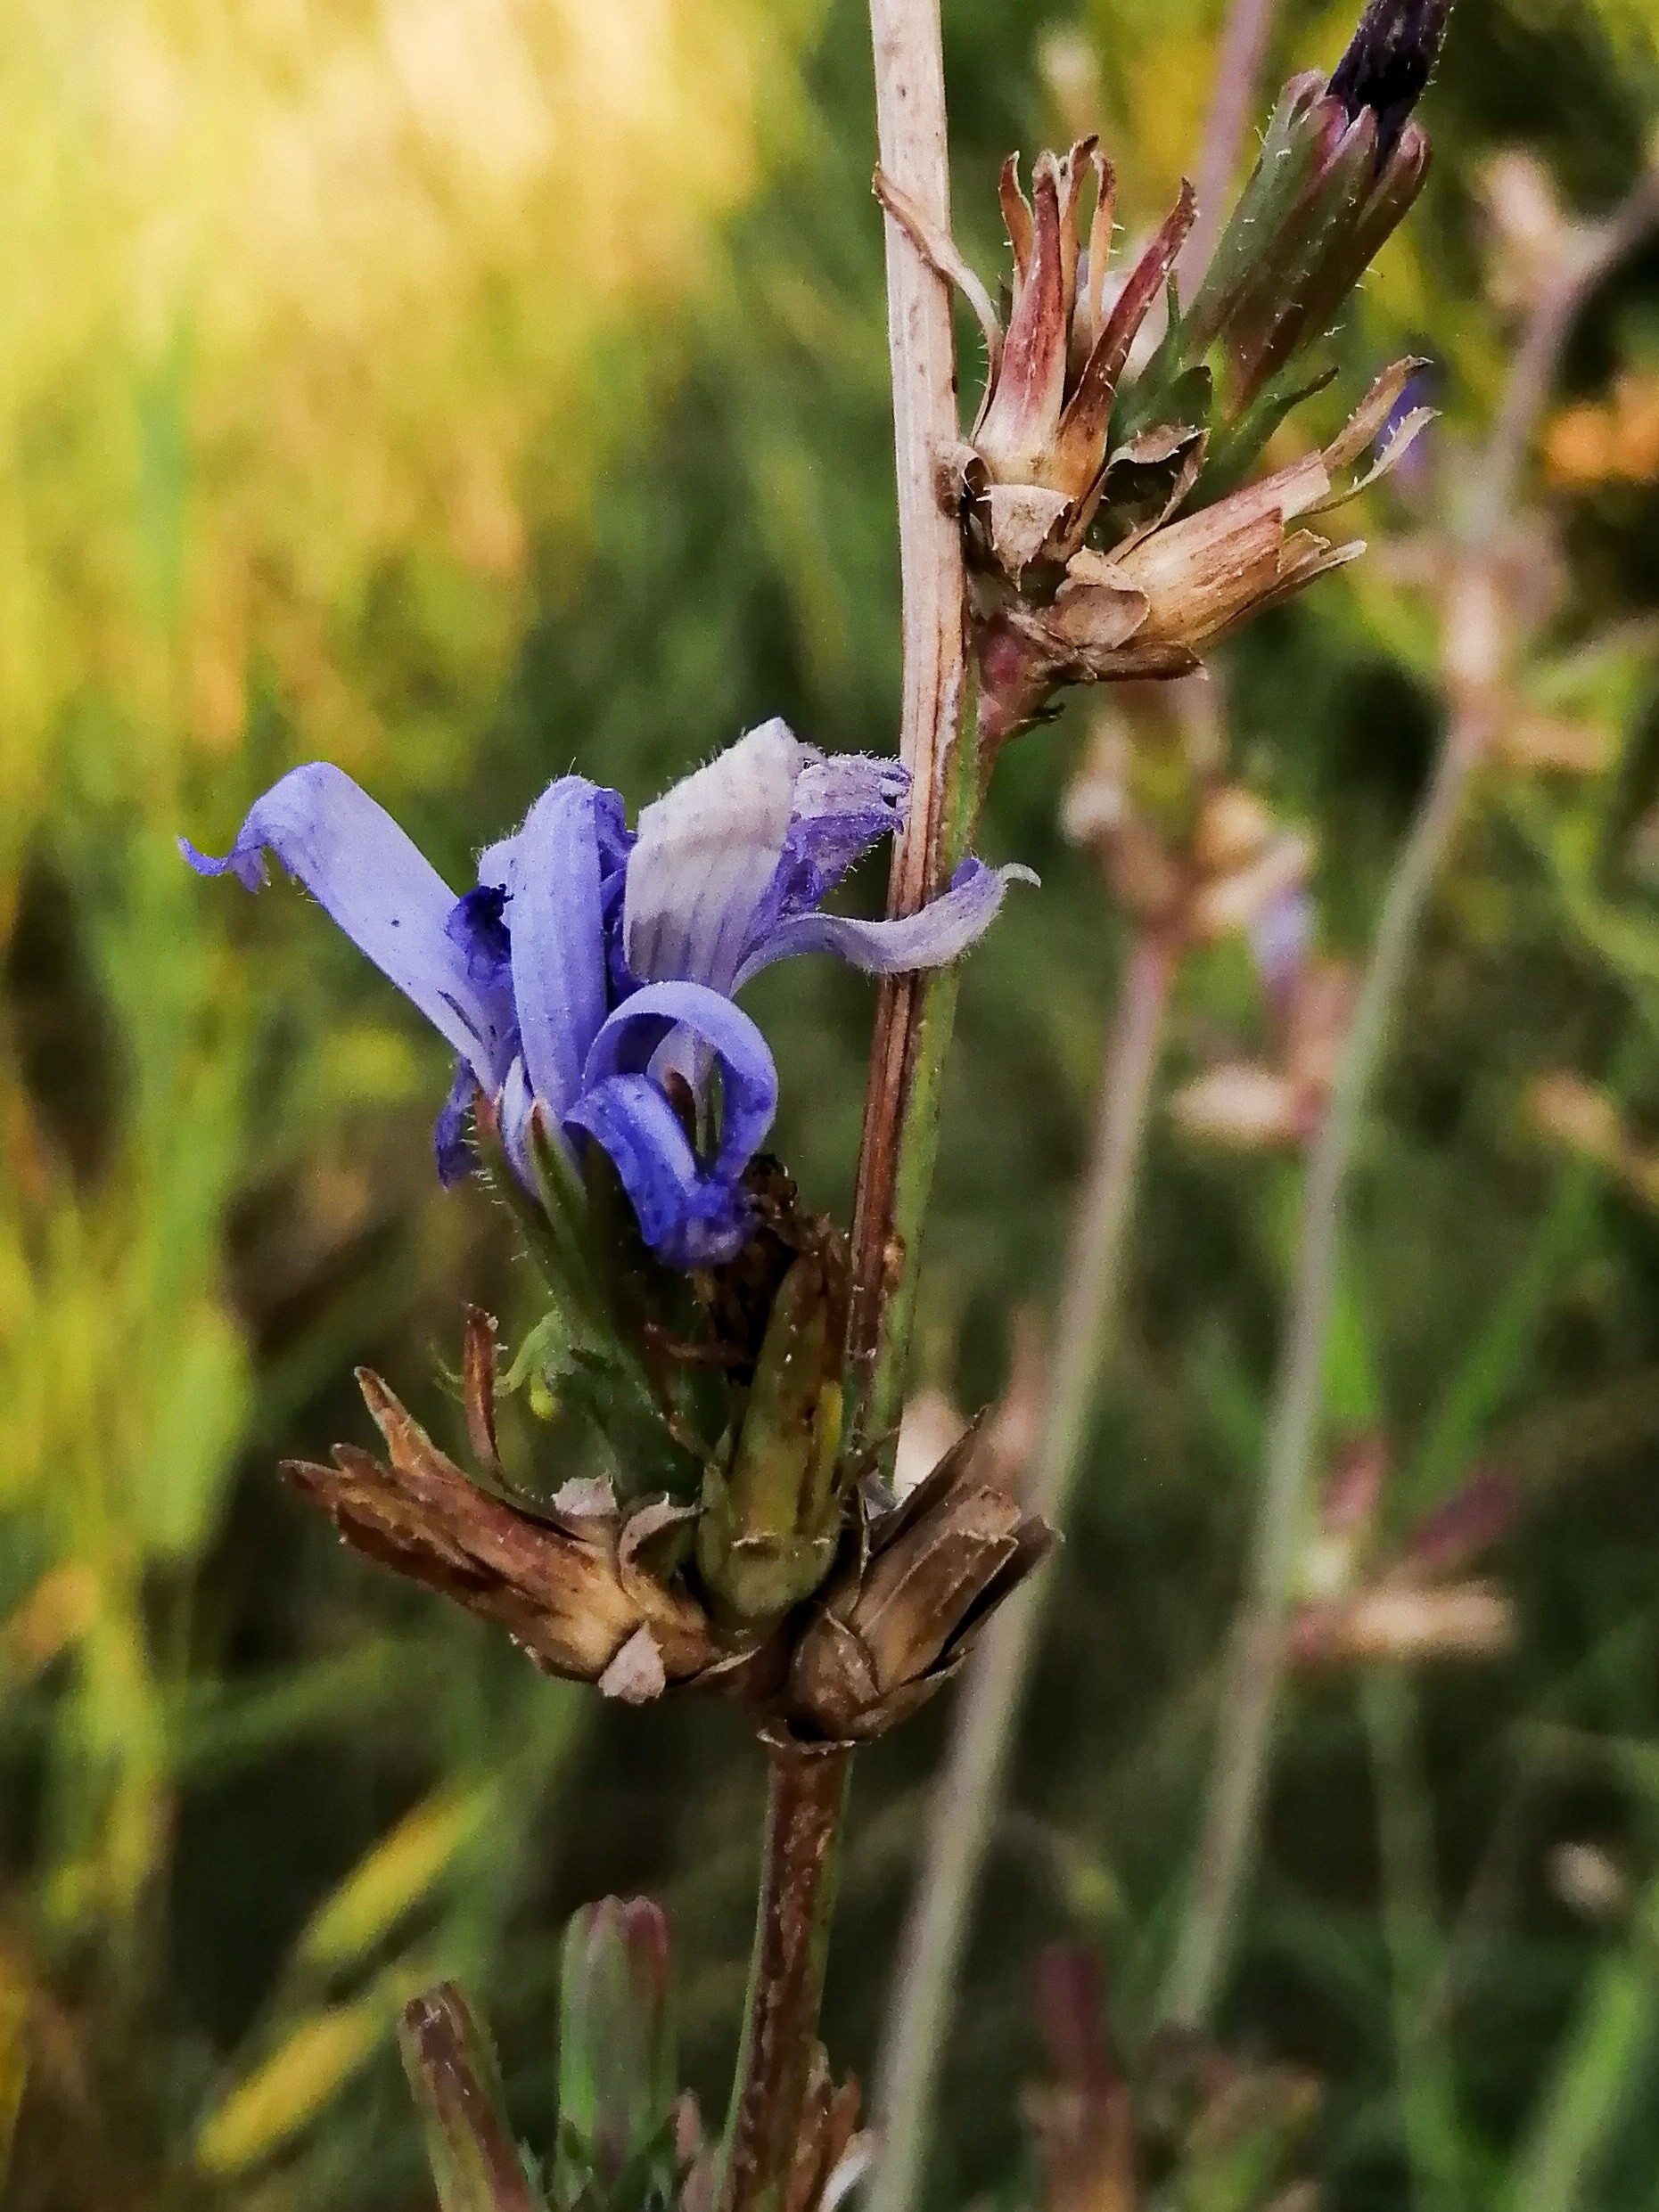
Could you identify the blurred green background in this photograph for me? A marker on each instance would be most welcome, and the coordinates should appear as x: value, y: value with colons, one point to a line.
x: 468, y: 389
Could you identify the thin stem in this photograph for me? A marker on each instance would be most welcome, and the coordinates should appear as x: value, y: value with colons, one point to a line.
x: 1243, y: 48
x: 970, y: 1788
x: 912, y: 1032
x: 1533, y: 374
x: 1250, y: 1697
x: 1425, y: 2079
x: 805, y: 1793
x: 914, y: 1013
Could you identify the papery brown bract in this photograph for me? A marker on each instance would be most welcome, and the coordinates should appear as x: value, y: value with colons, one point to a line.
x: 574, y: 1584
x: 1179, y: 583
x: 902, y: 1615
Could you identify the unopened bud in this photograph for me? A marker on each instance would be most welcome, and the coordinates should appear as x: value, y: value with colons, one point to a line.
x: 771, y: 1517
x: 617, y: 2090
x: 1341, y: 164
x: 470, y: 2147
x: 1389, y: 62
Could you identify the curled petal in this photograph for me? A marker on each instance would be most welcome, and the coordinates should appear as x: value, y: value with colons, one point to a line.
x: 449, y: 1144
x: 556, y: 919
x: 691, y: 1217
x: 842, y: 805
x: 943, y: 931
x: 634, y: 1033
x: 706, y: 853
x: 371, y: 879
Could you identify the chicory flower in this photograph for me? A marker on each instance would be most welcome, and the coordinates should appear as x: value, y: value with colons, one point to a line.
x: 591, y: 974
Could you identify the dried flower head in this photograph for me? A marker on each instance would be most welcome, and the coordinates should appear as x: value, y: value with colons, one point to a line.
x: 1111, y: 528
x: 1110, y: 535
x: 655, y: 1596
x: 920, y: 1581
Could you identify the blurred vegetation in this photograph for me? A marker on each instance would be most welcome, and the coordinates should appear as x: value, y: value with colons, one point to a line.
x: 469, y: 392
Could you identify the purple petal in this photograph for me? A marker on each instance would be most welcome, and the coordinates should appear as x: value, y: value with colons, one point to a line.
x: 706, y: 853
x: 687, y: 1216
x: 372, y: 879
x: 450, y: 1147
x: 842, y: 804
x: 476, y: 926
x: 555, y: 915
x: 940, y: 932
x: 631, y: 1041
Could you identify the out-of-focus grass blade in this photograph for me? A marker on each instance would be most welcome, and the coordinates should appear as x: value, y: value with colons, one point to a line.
x: 1608, y: 2052
x: 15, y: 2007
x: 400, y: 1873
x: 307, y: 2070
x: 215, y: 1727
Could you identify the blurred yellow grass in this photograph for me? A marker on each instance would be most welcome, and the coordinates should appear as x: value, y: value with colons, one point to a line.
x: 299, y: 295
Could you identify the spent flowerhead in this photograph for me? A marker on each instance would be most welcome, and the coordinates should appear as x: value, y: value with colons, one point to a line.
x: 1111, y: 526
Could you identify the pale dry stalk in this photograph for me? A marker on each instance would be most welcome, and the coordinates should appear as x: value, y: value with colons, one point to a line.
x: 805, y: 1799
x: 1255, y: 1673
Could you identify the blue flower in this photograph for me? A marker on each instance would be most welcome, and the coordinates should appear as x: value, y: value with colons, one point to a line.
x: 593, y: 971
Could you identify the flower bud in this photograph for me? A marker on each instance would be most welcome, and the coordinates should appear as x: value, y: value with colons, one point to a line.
x: 470, y: 2147
x: 1341, y: 164
x: 617, y: 2088
x: 771, y: 1517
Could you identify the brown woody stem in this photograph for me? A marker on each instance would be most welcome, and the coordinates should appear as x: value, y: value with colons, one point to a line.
x: 805, y: 1792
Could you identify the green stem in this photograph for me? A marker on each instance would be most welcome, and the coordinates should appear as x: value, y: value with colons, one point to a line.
x: 921, y: 1026
x: 805, y: 1794
x: 1606, y: 2059
x: 1424, y: 2075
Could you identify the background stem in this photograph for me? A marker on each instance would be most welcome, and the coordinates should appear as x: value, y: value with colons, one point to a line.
x: 804, y: 1799
x: 1475, y: 655
x: 969, y: 1791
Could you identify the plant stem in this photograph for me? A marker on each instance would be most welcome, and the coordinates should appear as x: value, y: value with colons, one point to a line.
x: 1605, y: 2060
x: 805, y: 1792
x: 913, y: 1024
x: 1251, y: 1695
x: 914, y: 1013
x: 970, y: 1788
x: 1474, y: 659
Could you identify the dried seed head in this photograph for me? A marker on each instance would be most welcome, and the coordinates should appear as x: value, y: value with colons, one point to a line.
x: 900, y: 1617
x: 574, y: 1585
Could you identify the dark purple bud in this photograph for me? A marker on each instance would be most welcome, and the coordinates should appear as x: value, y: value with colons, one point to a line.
x: 1389, y: 61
